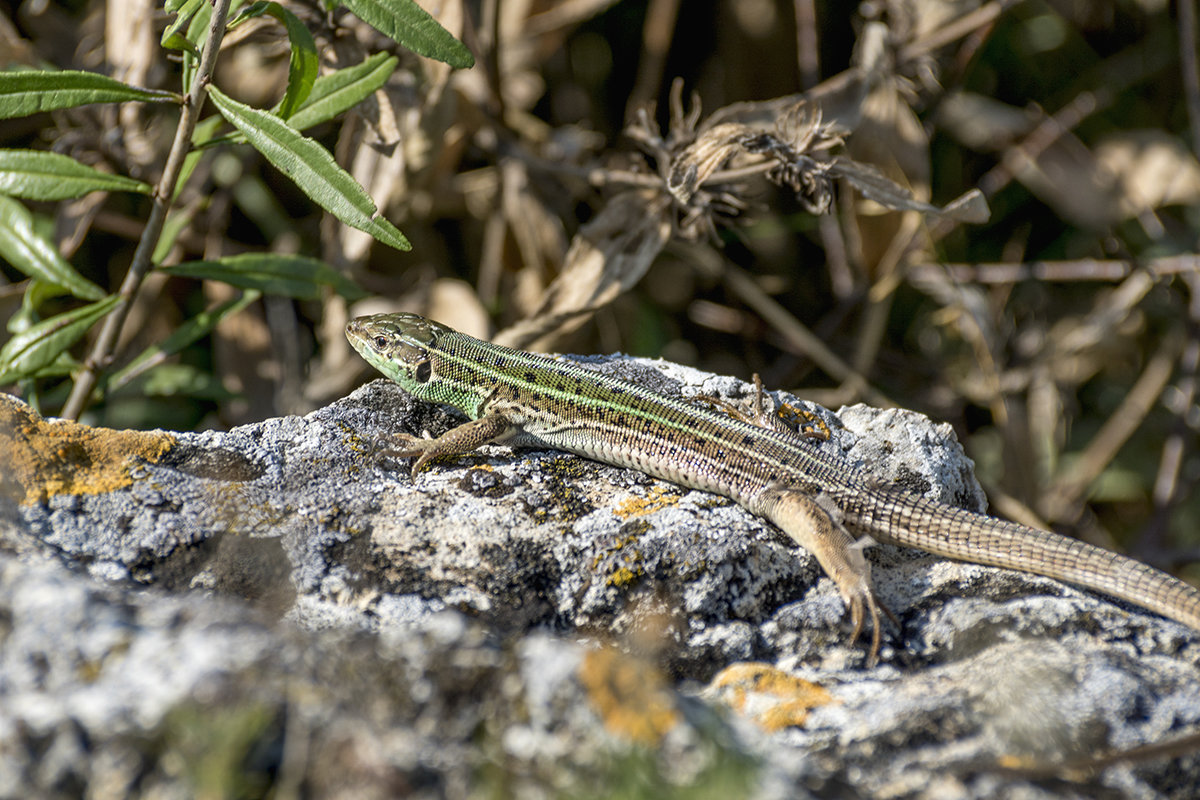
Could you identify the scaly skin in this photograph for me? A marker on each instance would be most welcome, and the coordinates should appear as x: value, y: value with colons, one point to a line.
x: 525, y: 399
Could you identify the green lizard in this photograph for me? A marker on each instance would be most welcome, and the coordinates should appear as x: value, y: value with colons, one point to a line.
x: 821, y: 501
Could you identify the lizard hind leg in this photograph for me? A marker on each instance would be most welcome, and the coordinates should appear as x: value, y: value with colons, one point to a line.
x: 814, y: 525
x: 764, y: 414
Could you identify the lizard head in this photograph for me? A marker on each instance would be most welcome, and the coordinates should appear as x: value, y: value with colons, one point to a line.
x: 398, y: 345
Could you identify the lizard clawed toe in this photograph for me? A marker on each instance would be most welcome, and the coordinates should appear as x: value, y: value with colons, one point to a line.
x: 405, y: 445
x: 816, y: 525
x: 861, y: 605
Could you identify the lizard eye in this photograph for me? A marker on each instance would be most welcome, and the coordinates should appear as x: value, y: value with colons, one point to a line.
x: 381, y: 342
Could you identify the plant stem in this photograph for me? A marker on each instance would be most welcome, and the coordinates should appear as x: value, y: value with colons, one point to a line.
x: 102, y: 350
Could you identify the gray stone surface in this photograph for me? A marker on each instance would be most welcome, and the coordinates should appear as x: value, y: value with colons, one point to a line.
x: 275, y: 606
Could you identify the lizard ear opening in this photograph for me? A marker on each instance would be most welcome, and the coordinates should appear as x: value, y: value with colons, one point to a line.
x: 423, y: 372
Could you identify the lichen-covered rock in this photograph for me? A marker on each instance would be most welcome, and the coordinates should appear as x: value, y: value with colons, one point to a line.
x: 275, y: 606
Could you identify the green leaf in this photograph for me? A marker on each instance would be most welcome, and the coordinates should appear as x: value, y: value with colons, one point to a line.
x: 183, y: 336
x: 173, y: 40
x: 37, y: 292
x: 63, y: 365
x: 177, y: 221
x: 38, y: 175
x: 311, y: 167
x: 291, y: 276
x: 197, y: 34
x: 40, y: 345
x: 29, y: 91
x: 331, y: 95
x: 205, y: 130
x: 302, y: 67
x: 342, y: 90
x: 262, y: 206
x: 182, y: 380
x: 407, y: 23
x: 31, y: 254
x: 172, y: 37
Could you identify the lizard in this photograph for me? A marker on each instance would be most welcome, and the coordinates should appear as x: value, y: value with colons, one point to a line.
x: 820, y: 500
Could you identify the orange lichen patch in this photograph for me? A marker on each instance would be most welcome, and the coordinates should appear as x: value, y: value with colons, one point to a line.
x: 43, y: 459
x: 658, y: 497
x: 631, y: 695
x: 807, y: 423
x: 773, y: 698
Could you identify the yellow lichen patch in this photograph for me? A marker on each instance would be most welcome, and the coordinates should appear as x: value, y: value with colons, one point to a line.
x: 622, y: 576
x: 773, y: 698
x: 353, y: 441
x: 658, y: 497
x: 43, y: 459
x: 631, y: 695
x: 620, y: 562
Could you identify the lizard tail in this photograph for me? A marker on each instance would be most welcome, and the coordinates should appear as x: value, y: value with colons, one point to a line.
x: 895, y: 516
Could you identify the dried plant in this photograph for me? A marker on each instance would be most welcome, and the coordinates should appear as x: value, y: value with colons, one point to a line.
x: 797, y: 236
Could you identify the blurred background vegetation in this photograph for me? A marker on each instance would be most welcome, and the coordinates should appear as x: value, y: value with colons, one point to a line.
x: 547, y: 196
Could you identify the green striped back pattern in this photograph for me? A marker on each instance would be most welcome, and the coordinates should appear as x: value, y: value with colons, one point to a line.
x: 557, y: 404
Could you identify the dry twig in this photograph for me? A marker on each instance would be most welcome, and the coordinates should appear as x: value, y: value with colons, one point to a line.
x: 164, y: 191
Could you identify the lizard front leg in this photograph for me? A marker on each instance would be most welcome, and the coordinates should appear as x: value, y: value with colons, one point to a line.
x: 456, y: 441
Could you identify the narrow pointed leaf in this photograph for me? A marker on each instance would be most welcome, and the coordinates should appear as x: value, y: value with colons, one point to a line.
x: 29, y: 91
x: 197, y: 34
x: 63, y: 365
x: 205, y: 131
x: 342, y: 90
x: 39, y: 346
x: 173, y: 40
x: 21, y: 246
x: 37, y: 292
x: 173, y: 37
x: 302, y: 66
x: 870, y: 181
x: 177, y: 221
x: 291, y: 276
x: 186, y: 334
x: 311, y: 167
x: 38, y: 175
x: 407, y: 23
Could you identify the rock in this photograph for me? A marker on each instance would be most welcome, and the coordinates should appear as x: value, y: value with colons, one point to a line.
x: 276, y: 606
